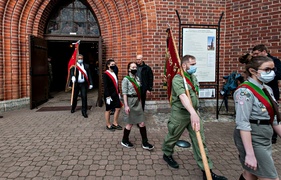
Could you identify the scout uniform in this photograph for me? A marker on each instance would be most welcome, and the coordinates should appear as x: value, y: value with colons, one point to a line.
x: 136, y: 115
x: 180, y: 118
x: 252, y: 115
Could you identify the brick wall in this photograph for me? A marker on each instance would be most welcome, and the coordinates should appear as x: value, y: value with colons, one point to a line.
x: 249, y: 23
x: 136, y: 27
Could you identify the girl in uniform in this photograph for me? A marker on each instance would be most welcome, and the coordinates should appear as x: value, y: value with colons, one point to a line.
x: 133, y: 108
x: 255, y: 119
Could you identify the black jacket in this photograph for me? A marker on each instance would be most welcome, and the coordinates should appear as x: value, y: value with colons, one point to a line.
x: 274, y: 83
x: 146, y: 77
x: 109, y: 88
x: 87, y: 69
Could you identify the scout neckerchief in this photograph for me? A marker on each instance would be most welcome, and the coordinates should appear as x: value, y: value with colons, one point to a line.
x: 135, y: 85
x: 114, y: 82
x: 83, y: 71
x: 188, y: 80
x: 261, y: 97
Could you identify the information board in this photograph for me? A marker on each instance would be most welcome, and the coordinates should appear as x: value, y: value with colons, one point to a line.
x: 201, y: 43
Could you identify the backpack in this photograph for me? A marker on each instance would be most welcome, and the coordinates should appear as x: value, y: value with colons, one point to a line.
x: 231, y: 83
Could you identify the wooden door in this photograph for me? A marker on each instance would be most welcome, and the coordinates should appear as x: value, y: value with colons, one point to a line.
x: 38, y: 71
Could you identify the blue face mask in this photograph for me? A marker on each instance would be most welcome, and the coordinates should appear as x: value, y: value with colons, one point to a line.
x: 192, y: 69
x: 266, y: 78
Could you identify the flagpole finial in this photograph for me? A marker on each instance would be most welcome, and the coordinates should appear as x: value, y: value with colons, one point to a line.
x: 78, y: 42
x: 168, y: 29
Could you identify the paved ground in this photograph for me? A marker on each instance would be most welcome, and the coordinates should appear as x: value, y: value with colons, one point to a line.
x: 61, y: 145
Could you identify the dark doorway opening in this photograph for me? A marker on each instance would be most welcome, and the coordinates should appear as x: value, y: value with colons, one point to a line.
x: 61, y: 52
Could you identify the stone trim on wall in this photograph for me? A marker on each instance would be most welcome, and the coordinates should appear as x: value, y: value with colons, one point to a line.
x: 14, y: 104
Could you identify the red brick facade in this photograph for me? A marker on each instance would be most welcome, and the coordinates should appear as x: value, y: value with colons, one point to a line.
x: 132, y: 27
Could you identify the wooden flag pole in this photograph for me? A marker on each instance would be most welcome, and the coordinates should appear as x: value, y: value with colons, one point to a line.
x: 73, y: 84
x: 198, y: 135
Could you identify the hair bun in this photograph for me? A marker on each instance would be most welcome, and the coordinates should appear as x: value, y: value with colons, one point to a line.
x: 244, y: 59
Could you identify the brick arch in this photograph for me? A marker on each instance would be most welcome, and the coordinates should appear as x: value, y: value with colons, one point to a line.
x: 2, y: 7
x: 10, y: 57
x: 123, y: 24
x: 28, y: 24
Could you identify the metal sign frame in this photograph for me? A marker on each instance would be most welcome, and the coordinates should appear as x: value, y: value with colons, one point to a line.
x: 206, y: 26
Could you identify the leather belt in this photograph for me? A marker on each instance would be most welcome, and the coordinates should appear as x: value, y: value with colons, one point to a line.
x: 132, y: 95
x: 261, y: 122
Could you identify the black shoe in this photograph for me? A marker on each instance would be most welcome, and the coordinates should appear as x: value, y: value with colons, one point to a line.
x: 274, y: 141
x: 242, y: 177
x: 171, y: 161
x: 72, y: 111
x: 85, y: 115
x: 214, y: 176
x: 147, y: 146
x: 1, y: 116
x: 118, y: 127
x: 110, y: 128
x: 127, y: 144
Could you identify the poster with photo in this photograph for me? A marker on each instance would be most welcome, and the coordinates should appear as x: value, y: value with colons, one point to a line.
x: 201, y: 43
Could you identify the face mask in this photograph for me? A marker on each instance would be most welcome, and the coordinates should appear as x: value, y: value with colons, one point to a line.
x: 133, y: 71
x: 265, y: 78
x: 80, y: 61
x: 192, y: 69
x: 112, y: 67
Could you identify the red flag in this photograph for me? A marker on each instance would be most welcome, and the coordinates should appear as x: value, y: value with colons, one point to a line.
x: 71, y: 63
x: 172, y: 62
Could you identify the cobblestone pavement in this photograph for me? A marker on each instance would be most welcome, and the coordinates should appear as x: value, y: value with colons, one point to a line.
x: 61, y: 145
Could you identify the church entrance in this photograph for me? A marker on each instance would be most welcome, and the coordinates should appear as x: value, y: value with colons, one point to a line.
x: 69, y: 22
x: 60, y: 53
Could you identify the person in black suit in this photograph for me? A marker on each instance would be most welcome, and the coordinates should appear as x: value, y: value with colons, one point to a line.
x: 83, y: 81
x: 111, y: 95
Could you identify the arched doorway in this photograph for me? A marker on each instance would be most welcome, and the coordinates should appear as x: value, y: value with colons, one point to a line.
x: 69, y: 22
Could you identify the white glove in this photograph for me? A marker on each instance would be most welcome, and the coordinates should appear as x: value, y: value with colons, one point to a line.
x: 73, y: 79
x: 91, y: 87
x: 108, y: 99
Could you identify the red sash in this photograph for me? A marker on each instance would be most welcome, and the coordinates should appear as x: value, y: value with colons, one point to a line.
x: 84, y: 74
x: 261, y: 97
x: 189, y: 82
x: 114, y: 82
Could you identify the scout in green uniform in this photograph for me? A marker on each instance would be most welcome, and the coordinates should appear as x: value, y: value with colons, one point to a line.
x: 184, y: 116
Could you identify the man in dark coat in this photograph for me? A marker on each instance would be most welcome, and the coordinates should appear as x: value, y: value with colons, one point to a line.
x: 83, y: 81
x: 145, y: 74
x: 261, y: 50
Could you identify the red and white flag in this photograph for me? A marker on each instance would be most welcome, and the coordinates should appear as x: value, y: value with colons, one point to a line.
x: 71, y: 64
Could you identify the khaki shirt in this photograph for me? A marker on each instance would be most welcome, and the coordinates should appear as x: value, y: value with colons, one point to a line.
x: 178, y: 89
x: 127, y: 86
x: 248, y: 107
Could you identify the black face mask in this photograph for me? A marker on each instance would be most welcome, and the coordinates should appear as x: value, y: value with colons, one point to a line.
x: 112, y: 67
x: 133, y: 71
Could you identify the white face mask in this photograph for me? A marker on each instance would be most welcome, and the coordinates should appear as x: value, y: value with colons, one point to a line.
x: 80, y: 61
x: 266, y: 77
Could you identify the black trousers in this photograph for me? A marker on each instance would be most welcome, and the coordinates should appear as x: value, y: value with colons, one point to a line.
x: 83, y: 88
